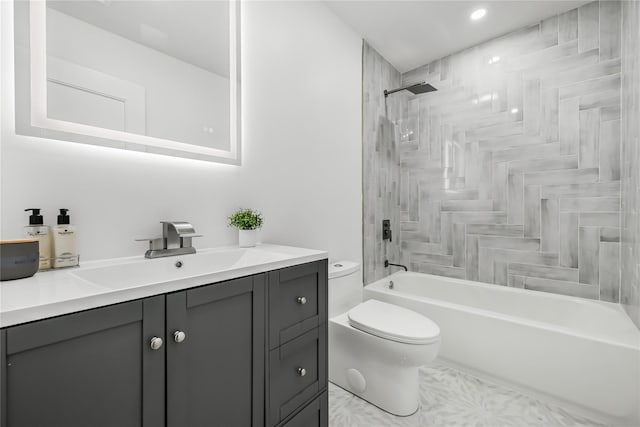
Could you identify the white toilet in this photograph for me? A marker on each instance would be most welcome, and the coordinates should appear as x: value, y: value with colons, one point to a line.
x: 376, y: 348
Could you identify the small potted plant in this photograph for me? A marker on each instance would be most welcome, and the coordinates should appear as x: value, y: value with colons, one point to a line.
x: 247, y: 221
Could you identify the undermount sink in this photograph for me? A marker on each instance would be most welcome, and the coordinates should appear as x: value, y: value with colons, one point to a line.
x: 162, y: 270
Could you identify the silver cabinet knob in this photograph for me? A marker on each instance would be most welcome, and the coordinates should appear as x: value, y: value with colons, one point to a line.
x: 302, y: 372
x: 302, y: 300
x: 179, y: 336
x: 156, y: 343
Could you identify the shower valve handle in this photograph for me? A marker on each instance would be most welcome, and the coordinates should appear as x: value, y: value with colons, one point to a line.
x: 386, y: 229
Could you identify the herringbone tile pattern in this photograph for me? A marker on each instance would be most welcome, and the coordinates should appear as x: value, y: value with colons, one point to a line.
x: 381, y: 169
x: 630, y: 170
x: 510, y: 173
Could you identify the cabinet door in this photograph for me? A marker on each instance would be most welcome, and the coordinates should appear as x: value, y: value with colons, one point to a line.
x: 93, y: 368
x: 215, y: 375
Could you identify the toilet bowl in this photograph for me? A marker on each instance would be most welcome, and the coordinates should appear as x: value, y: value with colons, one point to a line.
x: 376, y: 348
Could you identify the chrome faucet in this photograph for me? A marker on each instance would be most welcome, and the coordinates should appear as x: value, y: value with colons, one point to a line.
x: 175, y: 240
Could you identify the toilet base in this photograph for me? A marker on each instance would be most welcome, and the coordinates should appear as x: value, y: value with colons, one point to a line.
x: 401, y: 398
x: 382, y: 372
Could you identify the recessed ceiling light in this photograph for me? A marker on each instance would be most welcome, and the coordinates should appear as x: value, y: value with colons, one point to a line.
x: 478, y: 14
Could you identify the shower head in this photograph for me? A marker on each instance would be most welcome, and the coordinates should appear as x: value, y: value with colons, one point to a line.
x: 416, y: 89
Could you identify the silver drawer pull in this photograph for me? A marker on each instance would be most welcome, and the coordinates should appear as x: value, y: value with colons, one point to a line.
x: 302, y: 372
x: 179, y: 336
x: 156, y: 343
x: 302, y: 300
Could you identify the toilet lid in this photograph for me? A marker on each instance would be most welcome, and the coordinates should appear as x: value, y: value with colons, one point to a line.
x: 393, y: 323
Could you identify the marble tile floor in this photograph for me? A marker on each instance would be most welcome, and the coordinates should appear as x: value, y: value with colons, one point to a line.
x: 450, y: 397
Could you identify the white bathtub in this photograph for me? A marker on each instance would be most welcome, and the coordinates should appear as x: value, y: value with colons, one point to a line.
x: 585, y: 353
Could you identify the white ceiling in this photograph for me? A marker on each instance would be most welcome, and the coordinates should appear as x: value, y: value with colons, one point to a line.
x: 407, y: 33
x: 413, y: 33
x: 196, y: 32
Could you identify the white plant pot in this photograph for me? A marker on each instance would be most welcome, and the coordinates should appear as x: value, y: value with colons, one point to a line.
x: 247, y: 238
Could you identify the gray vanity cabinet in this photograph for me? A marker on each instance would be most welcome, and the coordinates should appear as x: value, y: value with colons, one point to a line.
x: 191, y: 358
x: 298, y: 343
x: 215, y: 369
x: 92, y: 368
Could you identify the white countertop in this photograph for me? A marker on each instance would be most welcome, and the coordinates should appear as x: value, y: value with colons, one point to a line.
x: 58, y: 292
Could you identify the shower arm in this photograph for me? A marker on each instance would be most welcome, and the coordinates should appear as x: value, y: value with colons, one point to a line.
x: 389, y: 92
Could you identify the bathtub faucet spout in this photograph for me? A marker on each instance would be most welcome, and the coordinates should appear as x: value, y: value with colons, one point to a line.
x: 387, y: 264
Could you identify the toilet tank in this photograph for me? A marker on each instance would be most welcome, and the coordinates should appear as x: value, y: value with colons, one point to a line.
x: 345, y: 286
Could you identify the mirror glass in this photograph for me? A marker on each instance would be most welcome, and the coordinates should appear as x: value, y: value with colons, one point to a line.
x: 158, y: 76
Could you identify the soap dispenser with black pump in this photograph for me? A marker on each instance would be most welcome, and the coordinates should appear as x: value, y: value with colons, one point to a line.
x: 37, y: 230
x: 65, y: 252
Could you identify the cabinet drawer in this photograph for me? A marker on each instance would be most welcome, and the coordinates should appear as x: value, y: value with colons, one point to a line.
x: 297, y: 301
x: 298, y: 371
x: 315, y: 414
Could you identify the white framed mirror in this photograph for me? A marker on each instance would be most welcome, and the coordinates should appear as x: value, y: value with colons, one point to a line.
x: 158, y: 76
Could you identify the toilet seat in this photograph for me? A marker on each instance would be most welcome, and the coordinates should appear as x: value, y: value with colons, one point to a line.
x: 394, y: 323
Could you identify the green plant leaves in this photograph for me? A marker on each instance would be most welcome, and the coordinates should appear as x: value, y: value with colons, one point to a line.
x: 246, y: 219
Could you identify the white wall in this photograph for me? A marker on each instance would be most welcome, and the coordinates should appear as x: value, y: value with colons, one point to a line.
x: 301, y: 159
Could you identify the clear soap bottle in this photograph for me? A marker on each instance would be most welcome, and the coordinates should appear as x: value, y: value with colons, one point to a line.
x: 65, y: 252
x: 37, y: 229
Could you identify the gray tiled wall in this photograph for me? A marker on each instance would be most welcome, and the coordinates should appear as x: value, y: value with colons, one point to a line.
x: 381, y: 162
x: 512, y: 175
x: 630, y: 291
